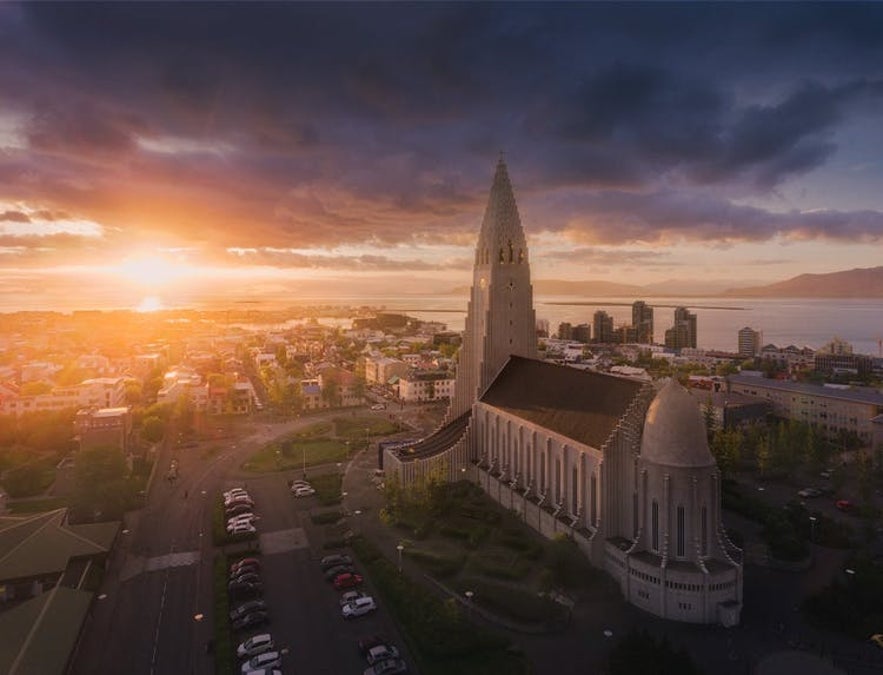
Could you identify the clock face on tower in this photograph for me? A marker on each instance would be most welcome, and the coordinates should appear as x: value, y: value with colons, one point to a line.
x: 482, y: 283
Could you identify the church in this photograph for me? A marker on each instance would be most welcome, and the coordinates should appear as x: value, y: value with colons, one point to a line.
x: 620, y: 465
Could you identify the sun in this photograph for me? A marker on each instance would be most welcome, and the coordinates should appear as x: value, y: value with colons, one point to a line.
x: 150, y: 304
x: 150, y: 271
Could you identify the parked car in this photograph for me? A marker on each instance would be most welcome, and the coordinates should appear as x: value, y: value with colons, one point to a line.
x: 261, y: 661
x: 366, y: 642
x: 238, y: 501
x: 347, y: 580
x: 378, y: 406
x: 877, y: 639
x: 256, y: 644
x: 249, y: 518
x: 303, y: 492
x: 335, y: 559
x: 251, y: 620
x: 247, y: 608
x: 246, y: 578
x: 359, y: 607
x: 298, y: 483
x: 388, y: 667
x: 234, y: 491
x: 245, y: 562
x: 242, y: 528
x: 844, y: 505
x: 337, y: 570
x: 809, y: 493
x: 238, y: 510
x: 243, y: 590
x: 382, y: 653
x: 349, y: 596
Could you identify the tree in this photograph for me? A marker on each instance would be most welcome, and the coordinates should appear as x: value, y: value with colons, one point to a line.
x: 100, y: 485
x: 762, y: 454
x: 133, y: 392
x: 153, y: 429
x: 35, y: 388
x: 726, y: 448
x: 709, y: 417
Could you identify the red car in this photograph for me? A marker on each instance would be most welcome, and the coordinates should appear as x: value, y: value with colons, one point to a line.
x: 347, y: 580
x: 844, y: 505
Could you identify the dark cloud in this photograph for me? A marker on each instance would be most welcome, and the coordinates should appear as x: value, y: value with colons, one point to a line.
x: 14, y: 217
x: 310, y: 125
x: 356, y: 263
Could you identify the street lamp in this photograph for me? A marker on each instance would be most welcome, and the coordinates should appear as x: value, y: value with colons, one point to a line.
x: 400, y: 548
x: 812, y: 529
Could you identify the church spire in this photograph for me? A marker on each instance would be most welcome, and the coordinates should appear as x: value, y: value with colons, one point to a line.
x: 500, y: 320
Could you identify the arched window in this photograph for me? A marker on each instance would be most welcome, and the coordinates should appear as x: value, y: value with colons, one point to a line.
x: 680, y: 531
x: 704, y: 531
x: 654, y: 524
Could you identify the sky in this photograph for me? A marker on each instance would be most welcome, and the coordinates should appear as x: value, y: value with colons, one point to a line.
x: 173, y: 152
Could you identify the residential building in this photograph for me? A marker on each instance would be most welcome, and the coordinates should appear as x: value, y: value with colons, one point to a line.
x: 602, y: 328
x: 98, y: 427
x: 683, y: 332
x: 834, y: 410
x: 749, y: 342
x: 642, y: 320
x: 582, y: 333
x: 565, y: 331
x: 418, y: 386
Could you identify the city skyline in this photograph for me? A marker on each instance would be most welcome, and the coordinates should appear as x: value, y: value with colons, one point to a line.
x: 157, y: 152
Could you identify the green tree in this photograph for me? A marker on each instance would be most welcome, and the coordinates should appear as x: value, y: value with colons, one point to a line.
x: 100, y: 485
x: 726, y: 448
x: 35, y: 388
x: 153, y: 429
x: 133, y: 392
x: 709, y: 417
x: 762, y: 454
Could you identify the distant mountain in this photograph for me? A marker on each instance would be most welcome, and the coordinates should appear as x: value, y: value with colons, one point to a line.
x: 857, y: 283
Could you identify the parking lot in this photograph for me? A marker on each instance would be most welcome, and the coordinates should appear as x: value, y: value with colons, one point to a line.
x: 306, y: 620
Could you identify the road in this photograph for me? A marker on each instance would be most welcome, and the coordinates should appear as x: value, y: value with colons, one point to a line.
x: 154, y: 615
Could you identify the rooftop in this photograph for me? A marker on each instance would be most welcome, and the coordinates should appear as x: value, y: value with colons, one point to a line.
x: 852, y: 394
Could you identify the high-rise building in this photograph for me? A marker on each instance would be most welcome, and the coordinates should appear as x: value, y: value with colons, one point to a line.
x: 602, y: 327
x: 622, y: 468
x: 683, y: 333
x: 750, y: 342
x: 565, y: 331
x: 642, y: 320
x: 582, y: 333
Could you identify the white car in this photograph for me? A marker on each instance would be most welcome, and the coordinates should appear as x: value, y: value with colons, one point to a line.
x: 359, y: 607
x: 378, y: 406
x: 242, y: 528
x: 257, y: 644
x: 299, y: 484
x: 248, y: 519
x: 381, y: 653
x: 261, y: 661
x: 350, y: 596
x: 303, y: 492
x: 234, y: 492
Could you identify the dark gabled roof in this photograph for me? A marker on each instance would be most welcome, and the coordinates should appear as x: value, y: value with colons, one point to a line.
x: 582, y: 405
x: 42, y: 544
x: 441, y: 440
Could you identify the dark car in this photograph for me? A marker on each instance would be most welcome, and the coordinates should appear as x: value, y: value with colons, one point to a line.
x: 240, y: 590
x: 337, y: 570
x: 247, y: 608
x: 347, y: 580
x: 251, y: 620
x: 237, y: 510
x: 246, y: 564
x: 245, y: 578
x: 844, y: 505
x: 335, y: 559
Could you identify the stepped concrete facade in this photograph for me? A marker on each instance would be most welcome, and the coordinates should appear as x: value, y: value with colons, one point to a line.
x: 620, y: 466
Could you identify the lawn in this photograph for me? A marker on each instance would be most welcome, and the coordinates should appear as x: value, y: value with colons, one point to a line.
x: 295, y: 454
x: 37, y: 505
x: 471, y: 543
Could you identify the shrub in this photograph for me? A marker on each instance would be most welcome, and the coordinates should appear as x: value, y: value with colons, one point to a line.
x: 326, y: 518
x: 439, y: 565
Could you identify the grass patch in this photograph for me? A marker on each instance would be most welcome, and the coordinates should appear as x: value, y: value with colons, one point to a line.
x: 514, y: 602
x: 500, y: 564
x: 353, y: 428
x: 38, y: 505
x: 328, y: 488
x: 314, y: 430
x: 440, y: 638
x: 438, y: 564
x: 293, y: 454
x: 223, y: 635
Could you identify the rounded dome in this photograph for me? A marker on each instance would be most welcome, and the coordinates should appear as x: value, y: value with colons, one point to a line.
x: 674, y: 431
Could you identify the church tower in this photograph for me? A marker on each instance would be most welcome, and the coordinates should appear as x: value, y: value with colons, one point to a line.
x: 500, y: 319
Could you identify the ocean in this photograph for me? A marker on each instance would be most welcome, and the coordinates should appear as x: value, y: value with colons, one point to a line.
x: 783, y: 321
